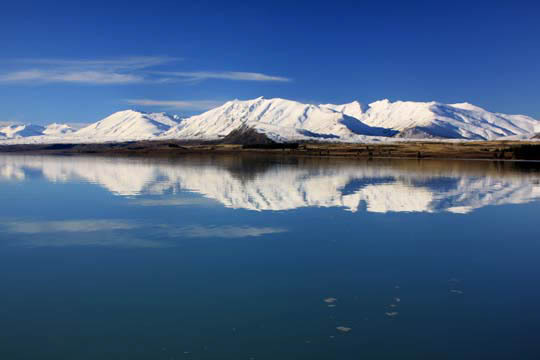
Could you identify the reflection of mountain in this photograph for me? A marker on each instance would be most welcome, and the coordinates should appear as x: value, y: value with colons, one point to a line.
x: 276, y: 184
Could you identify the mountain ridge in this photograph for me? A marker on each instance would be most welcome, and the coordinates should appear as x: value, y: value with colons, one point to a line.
x: 282, y: 120
x: 17, y: 131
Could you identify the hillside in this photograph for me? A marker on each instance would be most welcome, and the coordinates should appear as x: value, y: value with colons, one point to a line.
x: 58, y: 129
x: 281, y: 120
x: 437, y: 120
x: 19, y: 130
x: 127, y: 125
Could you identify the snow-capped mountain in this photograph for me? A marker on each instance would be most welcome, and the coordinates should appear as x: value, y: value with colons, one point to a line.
x: 127, y: 125
x: 279, y: 119
x: 18, y: 131
x: 436, y: 120
x: 21, y: 130
x: 285, y: 120
x: 58, y: 129
x: 354, y: 109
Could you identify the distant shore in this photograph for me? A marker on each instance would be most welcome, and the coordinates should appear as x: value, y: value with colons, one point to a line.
x: 487, y: 150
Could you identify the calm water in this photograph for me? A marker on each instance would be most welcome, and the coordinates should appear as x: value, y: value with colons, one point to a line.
x: 232, y: 258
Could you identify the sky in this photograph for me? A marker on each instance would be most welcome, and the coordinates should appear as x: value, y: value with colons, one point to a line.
x: 77, y: 62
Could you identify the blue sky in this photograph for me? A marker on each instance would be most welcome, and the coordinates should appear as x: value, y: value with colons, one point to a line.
x: 69, y: 61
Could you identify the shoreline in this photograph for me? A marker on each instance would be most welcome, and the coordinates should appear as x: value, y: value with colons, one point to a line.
x: 472, y: 150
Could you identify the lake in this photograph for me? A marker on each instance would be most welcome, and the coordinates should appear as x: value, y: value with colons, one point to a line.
x: 216, y: 257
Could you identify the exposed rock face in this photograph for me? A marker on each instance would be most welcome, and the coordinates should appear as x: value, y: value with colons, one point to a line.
x: 246, y: 135
x: 418, y: 133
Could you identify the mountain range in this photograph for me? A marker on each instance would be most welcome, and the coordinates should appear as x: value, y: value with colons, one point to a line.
x: 284, y: 120
x: 31, y: 130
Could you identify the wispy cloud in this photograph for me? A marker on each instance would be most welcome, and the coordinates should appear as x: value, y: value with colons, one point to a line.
x: 177, y: 104
x: 88, y: 77
x: 127, y: 70
x: 125, y: 63
x: 224, y: 75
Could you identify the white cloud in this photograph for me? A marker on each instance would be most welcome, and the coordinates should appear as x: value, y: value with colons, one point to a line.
x: 125, y: 63
x: 101, y: 71
x: 226, y: 75
x: 177, y: 104
x: 125, y: 70
x: 88, y: 77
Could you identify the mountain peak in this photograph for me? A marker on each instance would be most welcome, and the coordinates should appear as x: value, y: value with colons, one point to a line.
x: 128, y: 125
x: 288, y: 120
x: 467, y: 106
x: 21, y: 130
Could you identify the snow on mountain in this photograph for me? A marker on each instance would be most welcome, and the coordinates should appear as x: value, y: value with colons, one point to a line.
x: 279, y: 119
x: 21, y: 130
x: 58, y: 129
x: 354, y: 109
x: 285, y: 120
x: 436, y: 120
x: 127, y: 125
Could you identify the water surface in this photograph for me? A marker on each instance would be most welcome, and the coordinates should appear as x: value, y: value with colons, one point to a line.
x: 233, y: 257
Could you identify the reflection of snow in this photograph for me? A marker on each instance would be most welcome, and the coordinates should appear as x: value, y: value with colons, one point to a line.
x: 11, y: 172
x: 352, y: 186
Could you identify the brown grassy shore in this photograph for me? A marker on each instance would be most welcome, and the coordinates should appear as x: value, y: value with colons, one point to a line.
x: 487, y: 150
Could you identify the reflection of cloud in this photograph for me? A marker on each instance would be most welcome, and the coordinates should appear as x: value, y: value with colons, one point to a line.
x: 118, y: 233
x: 90, y: 239
x: 225, y: 231
x: 172, y: 202
x: 39, y: 227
